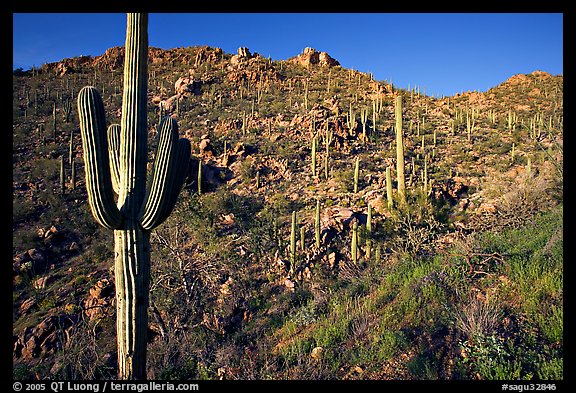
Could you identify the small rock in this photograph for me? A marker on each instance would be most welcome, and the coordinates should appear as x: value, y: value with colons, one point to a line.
x: 228, y: 219
x: 316, y: 353
x: 289, y: 284
x: 332, y: 259
x: 307, y: 273
x: 205, y: 146
x: 101, y: 289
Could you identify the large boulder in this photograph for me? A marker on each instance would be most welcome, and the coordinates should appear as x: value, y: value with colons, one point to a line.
x: 186, y: 86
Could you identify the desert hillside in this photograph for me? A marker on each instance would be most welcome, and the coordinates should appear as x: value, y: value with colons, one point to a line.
x: 462, y: 280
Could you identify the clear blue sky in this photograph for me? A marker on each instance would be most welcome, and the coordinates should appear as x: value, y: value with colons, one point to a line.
x: 445, y: 53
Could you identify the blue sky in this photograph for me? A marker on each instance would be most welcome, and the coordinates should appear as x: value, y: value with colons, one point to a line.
x: 444, y: 53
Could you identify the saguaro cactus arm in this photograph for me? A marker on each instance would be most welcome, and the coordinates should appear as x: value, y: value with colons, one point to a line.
x: 114, y: 155
x: 183, y: 154
x: 96, y: 162
x: 167, y: 176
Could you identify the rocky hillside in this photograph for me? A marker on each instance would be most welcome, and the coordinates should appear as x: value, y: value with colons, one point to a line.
x: 464, y: 281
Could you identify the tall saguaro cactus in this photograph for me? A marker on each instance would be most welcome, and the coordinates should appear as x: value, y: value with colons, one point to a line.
x: 115, y: 161
x: 400, y: 149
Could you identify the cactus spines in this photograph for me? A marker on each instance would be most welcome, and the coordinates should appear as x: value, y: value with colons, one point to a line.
x: 115, y: 160
x: 400, y: 150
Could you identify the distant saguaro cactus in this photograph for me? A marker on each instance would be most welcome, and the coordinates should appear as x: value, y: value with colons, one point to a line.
x: 369, y: 232
x: 293, y: 243
x: 314, y: 143
x: 139, y: 209
x: 356, y: 174
x: 389, y: 188
x: 355, y: 242
x: 400, y: 150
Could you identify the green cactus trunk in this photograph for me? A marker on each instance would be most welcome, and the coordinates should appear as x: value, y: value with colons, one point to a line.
x: 115, y: 161
x: 132, y: 276
x: 355, y: 242
x: 199, y: 177
x: 73, y: 173
x: 400, y: 151
x: 389, y: 188
x: 71, y: 147
x: 62, y: 175
x: 356, y: 174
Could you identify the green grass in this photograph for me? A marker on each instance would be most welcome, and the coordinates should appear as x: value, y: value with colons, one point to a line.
x: 535, y: 267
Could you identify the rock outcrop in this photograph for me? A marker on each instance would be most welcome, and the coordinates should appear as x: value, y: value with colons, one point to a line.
x: 311, y: 56
x: 98, y: 303
x: 42, y: 340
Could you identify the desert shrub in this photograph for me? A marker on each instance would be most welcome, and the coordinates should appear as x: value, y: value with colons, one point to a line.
x: 413, y: 228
